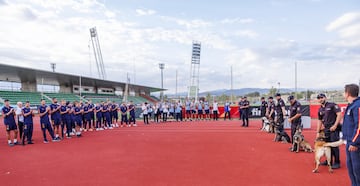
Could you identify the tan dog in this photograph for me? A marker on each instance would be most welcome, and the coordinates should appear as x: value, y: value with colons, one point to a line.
x: 322, y: 148
x: 304, y: 145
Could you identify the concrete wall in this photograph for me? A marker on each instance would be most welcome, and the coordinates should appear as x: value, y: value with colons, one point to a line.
x: 28, y: 87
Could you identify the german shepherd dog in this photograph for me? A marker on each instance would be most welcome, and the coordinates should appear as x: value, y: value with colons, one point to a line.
x: 266, y: 124
x: 280, y: 134
x: 322, y: 148
x: 297, y: 139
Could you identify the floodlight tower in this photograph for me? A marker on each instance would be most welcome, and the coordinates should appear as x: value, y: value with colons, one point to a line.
x: 162, y: 66
x: 97, y: 53
x: 194, y: 70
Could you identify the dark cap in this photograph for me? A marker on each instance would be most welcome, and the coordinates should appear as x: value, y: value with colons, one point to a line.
x: 262, y: 98
x: 277, y: 94
x: 291, y: 97
x: 321, y: 95
x: 244, y: 97
x: 6, y: 100
x: 270, y: 97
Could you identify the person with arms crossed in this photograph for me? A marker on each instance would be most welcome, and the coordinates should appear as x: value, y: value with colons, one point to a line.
x: 55, y: 117
x: 28, y: 123
x: 44, y: 111
x: 351, y: 132
x: 8, y: 113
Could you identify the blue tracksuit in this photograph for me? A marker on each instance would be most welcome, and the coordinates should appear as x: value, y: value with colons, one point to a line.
x: 28, y: 125
x: 45, y: 122
x: 351, y: 133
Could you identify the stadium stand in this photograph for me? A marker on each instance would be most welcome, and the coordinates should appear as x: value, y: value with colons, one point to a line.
x: 67, y: 97
x: 14, y: 96
x: 102, y: 97
x: 137, y: 100
x: 155, y: 98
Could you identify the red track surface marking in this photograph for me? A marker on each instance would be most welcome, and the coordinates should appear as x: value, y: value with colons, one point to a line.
x: 187, y: 153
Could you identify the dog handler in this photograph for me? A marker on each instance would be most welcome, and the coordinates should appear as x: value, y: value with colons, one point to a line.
x: 329, y: 115
x: 351, y: 132
x: 295, y: 116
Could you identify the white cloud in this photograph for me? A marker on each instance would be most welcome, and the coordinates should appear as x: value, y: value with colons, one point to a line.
x: 189, y: 24
x: 347, y: 27
x: 343, y: 21
x: 246, y: 33
x: 237, y: 21
x: 145, y: 12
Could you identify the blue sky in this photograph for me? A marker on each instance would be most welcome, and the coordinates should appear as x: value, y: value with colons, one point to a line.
x: 261, y: 40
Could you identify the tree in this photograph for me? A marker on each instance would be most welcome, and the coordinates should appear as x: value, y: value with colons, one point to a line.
x: 272, y: 91
x: 253, y: 94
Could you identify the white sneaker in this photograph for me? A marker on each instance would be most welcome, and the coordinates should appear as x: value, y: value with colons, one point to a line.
x: 116, y: 125
x: 105, y: 128
x: 135, y: 125
x: 111, y: 128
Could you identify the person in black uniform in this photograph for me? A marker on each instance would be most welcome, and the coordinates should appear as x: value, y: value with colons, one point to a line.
x: 240, y: 104
x: 295, y: 116
x: 329, y: 116
x: 245, y: 107
x: 271, y: 113
x: 263, y: 109
x: 279, y: 110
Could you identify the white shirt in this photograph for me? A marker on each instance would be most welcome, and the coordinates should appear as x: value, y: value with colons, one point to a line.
x: 144, y: 109
x: 19, y: 115
x: 215, y: 106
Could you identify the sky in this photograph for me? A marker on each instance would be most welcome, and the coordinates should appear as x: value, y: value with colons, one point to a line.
x: 260, y: 40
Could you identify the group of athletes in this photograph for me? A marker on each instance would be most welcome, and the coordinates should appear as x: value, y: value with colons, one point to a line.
x: 64, y: 119
x: 173, y: 110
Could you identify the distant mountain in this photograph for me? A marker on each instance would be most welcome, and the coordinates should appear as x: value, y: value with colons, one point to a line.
x: 244, y: 91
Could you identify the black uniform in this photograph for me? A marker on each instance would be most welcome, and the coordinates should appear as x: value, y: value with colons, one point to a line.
x: 263, y: 107
x: 295, y: 108
x: 327, y: 114
x: 245, y: 113
x: 278, y: 109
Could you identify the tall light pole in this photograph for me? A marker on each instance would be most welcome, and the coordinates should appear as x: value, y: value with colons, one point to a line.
x: 162, y: 66
x: 295, y: 79
x: 278, y: 87
x: 53, y: 66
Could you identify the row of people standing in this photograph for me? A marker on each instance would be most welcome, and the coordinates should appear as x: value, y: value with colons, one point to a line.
x: 65, y: 118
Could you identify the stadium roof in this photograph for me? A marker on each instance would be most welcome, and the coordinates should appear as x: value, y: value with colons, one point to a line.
x: 20, y: 74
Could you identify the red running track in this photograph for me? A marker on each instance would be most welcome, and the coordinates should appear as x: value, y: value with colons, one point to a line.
x: 187, y: 153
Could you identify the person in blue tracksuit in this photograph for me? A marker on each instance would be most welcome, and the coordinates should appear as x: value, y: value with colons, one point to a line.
x: 8, y: 113
x: 65, y: 119
x: 77, y: 118
x: 124, y: 111
x: 115, y: 114
x: 28, y: 123
x: 131, y: 110
x: 87, y: 117
x: 106, y: 112
x: 351, y: 132
x: 55, y: 117
x: 44, y: 111
x: 92, y: 113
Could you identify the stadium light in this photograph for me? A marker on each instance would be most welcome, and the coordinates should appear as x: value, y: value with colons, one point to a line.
x: 162, y: 66
x: 53, y: 66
